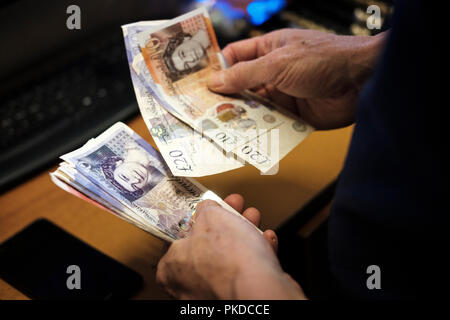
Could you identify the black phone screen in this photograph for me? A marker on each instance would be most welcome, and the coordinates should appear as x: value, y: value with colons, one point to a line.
x: 45, y: 262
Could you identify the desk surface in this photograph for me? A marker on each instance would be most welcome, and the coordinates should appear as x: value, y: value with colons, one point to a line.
x: 302, y: 174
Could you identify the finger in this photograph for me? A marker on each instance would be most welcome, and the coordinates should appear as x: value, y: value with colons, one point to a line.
x: 262, y: 91
x: 253, y: 215
x: 271, y: 236
x: 236, y: 201
x: 270, y: 92
x: 205, y: 204
x: 243, y: 75
x: 161, y: 274
x: 281, y: 99
x: 201, y: 207
x: 242, y: 50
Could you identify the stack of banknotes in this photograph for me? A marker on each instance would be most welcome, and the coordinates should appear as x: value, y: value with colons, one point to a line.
x: 121, y: 173
x: 197, y: 132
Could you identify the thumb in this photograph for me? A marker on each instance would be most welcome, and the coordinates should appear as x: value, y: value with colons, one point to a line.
x: 203, y: 206
x: 241, y: 76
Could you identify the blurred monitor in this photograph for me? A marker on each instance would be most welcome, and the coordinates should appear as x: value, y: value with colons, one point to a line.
x: 33, y: 31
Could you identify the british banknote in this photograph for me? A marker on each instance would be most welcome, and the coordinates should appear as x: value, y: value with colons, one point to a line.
x: 177, y: 58
x: 187, y: 152
x: 123, y: 174
x: 179, y: 55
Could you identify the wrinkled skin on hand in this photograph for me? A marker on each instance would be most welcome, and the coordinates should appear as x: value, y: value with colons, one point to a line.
x: 224, y: 257
x: 314, y: 74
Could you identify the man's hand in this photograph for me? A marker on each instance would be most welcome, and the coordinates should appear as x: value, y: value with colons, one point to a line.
x: 224, y: 257
x: 314, y: 74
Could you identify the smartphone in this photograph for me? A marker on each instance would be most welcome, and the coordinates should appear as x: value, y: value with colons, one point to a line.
x: 45, y: 262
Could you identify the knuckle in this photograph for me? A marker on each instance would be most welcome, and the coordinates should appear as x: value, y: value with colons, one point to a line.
x: 205, y: 218
x: 174, y: 252
x: 208, y: 203
x: 230, y: 48
x: 266, y: 43
x: 229, y: 53
x: 161, y: 275
x: 241, y: 75
x: 281, y: 63
x: 232, y: 74
x: 202, y: 206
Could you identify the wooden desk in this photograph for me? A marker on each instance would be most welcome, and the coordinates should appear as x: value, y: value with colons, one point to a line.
x: 303, y: 173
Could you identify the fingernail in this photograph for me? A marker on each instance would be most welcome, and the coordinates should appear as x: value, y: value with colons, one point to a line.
x: 216, y: 80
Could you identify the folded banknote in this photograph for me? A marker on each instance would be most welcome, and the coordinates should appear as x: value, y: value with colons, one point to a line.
x: 186, y: 151
x: 172, y: 61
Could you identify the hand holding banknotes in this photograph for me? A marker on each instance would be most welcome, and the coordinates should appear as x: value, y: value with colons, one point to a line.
x: 223, y: 257
x: 218, y: 252
x: 316, y: 75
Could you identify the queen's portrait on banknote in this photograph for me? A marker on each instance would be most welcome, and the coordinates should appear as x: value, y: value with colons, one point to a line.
x: 179, y: 56
x: 175, y: 59
x: 140, y: 182
x: 132, y: 172
x: 186, y: 53
x: 182, y: 49
x: 132, y: 175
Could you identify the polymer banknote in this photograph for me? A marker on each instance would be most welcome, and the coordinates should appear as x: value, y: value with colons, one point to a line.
x: 177, y: 57
x: 120, y: 172
x: 186, y: 151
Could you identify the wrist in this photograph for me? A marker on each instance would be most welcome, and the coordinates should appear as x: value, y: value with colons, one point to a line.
x: 363, y: 56
x: 263, y: 281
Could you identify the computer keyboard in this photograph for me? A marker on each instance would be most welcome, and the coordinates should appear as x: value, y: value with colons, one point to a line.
x: 56, y: 114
